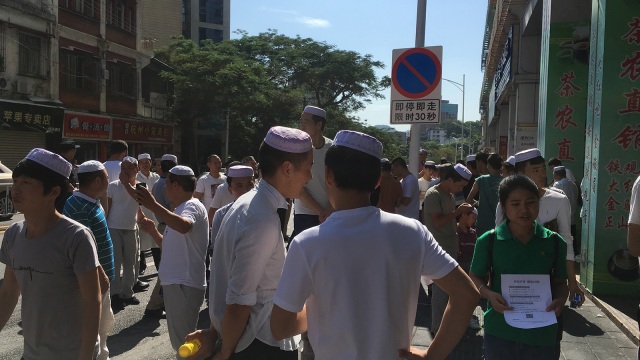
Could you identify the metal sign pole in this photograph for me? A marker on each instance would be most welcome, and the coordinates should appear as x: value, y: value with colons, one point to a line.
x: 414, y: 142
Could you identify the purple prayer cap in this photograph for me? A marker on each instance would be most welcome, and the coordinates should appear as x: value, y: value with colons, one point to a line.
x: 288, y: 140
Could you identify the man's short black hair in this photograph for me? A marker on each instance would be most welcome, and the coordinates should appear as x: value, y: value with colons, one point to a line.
x: 167, y: 165
x: 48, y: 177
x: 353, y: 169
x: 482, y: 156
x: 554, y: 161
x: 400, y: 162
x: 472, y: 165
x: 117, y: 147
x: 561, y: 173
x: 186, y: 182
x: 495, y: 161
x: 385, y: 165
x: 86, y: 178
x: 271, y: 159
x: 522, y: 164
x: 319, y: 119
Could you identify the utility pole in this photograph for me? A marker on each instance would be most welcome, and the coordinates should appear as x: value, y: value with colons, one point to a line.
x: 414, y: 141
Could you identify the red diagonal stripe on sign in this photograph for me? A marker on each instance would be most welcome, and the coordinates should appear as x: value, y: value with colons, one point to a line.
x: 416, y: 73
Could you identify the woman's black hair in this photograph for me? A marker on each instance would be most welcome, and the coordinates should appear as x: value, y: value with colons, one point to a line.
x: 353, y: 169
x: 514, y: 182
x: 48, y: 177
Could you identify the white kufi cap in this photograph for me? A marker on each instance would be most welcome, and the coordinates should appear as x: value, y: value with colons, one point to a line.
x: 240, y: 171
x: 288, y: 140
x: 130, y: 159
x: 475, y: 211
x: 512, y: 160
x: 144, y: 156
x: 558, y: 168
x: 429, y: 163
x: 169, y: 157
x: 527, y: 155
x: 471, y: 158
x: 359, y: 141
x: 51, y: 161
x: 90, y: 166
x: 182, y: 170
x: 315, y: 111
x: 463, y: 171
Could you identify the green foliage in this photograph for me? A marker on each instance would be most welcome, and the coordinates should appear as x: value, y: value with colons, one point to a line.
x: 265, y: 80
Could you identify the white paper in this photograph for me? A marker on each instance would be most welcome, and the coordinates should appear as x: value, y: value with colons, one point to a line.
x: 529, y: 295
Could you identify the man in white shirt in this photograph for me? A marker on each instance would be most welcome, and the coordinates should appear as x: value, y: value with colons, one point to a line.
x: 633, y: 231
x: 223, y: 195
x: 554, y: 161
x: 185, y: 240
x: 570, y: 189
x: 209, y: 183
x: 121, y: 218
x: 249, y: 253
x: 313, y: 207
x: 410, y: 204
x: 117, y: 151
x: 146, y: 176
x: 363, y: 307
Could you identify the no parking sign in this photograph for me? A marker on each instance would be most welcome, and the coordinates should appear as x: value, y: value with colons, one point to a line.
x: 416, y: 85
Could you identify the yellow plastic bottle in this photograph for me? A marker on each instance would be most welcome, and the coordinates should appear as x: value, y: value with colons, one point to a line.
x: 189, y: 348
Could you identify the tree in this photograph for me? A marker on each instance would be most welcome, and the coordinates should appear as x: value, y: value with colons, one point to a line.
x: 265, y: 80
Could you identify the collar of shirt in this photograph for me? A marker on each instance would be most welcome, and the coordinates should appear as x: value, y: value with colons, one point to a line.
x: 274, y: 195
x: 82, y: 195
x: 539, y: 232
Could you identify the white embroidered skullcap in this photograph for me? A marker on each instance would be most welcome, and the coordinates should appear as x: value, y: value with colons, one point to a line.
x: 558, y: 168
x: 130, y: 159
x: 463, y: 171
x: 429, y: 163
x: 471, y: 158
x: 90, y: 166
x: 169, y: 157
x: 512, y: 160
x: 182, y: 170
x: 144, y: 156
x: 475, y: 211
x: 315, y: 111
x: 240, y: 171
x: 528, y: 154
x: 422, y: 152
x: 359, y: 141
x: 51, y: 161
x: 288, y: 140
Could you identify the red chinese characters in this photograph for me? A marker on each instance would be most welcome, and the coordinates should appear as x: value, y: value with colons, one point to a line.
x: 568, y: 88
x: 631, y: 66
x: 611, y: 204
x: 613, y: 186
x: 564, y: 149
x: 613, y: 167
x: 564, y: 118
x: 633, y: 102
x: 628, y: 136
x: 633, y: 35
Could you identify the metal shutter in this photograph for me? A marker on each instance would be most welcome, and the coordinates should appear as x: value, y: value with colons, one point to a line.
x: 15, y: 145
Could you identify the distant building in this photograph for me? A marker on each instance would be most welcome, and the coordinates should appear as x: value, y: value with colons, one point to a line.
x: 402, y: 135
x: 448, y: 112
x: 206, y: 19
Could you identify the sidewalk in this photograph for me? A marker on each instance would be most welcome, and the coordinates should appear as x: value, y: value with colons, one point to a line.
x: 589, y: 333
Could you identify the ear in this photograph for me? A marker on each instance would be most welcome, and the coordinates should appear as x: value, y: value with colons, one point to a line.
x: 329, y: 179
x: 287, y: 169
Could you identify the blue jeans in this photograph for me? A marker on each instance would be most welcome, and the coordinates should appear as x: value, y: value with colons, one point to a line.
x: 496, y: 348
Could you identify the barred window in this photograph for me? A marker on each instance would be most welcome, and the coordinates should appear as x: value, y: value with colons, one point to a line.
x: 122, y: 80
x: 79, y: 72
x: 31, y: 57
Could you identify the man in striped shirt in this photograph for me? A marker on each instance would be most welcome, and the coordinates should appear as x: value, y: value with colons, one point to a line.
x: 84, y: 207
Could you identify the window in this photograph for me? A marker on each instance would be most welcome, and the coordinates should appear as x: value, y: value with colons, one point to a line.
x: 122, y: 80
x: 213, y: 34
x: 31, y: 57
x: 211, y: 11
x: 78, y: 72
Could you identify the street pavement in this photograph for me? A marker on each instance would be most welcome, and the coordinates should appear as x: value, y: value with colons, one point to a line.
x: 589, y: 332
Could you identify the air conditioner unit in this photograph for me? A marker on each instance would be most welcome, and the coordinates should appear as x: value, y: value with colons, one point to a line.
x: 5, y: 83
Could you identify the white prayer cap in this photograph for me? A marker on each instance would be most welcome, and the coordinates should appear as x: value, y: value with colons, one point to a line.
x: 315, y: 111
x: 51, y: 161
x: 558, y: 168
x: 359, y: 141
x: 422, y: 152
x: 512, y: 160
x: 90, y: 166
x: 144, y: 156
x: 240, y: 171
x: 463, y: 171
x: 181, y: 170
x: 430, y: 163
x: 130, y: 159
x: 475, y: 211
x: 527, y: 155
x: 169, y: 157
x: 288, y: 140
x: 471, y: 158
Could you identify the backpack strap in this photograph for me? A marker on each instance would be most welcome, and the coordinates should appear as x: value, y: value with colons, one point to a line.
x: 556, y: 248
x: 492, y: 239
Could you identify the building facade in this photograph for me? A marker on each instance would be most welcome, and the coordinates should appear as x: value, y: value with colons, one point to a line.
x: 206, y: 19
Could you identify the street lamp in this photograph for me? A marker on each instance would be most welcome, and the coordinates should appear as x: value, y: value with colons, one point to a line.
x: 461, y: 88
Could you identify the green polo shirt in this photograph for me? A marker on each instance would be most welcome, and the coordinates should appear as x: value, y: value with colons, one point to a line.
x: 512, y: 257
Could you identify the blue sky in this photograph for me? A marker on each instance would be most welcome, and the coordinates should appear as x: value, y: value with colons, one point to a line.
x: 377, y: 27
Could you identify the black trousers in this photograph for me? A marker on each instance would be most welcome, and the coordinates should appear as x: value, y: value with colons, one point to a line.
x: 261, y: 351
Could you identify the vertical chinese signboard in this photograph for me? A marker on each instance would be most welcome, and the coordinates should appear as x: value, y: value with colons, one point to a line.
x: 612, y: 146
x: 567, y: 87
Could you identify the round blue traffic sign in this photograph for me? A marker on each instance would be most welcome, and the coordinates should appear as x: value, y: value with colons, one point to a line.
x: 416, y: 73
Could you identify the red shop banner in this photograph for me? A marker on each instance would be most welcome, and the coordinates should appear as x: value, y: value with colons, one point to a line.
x: 86, y: 126
x: 141, y: 131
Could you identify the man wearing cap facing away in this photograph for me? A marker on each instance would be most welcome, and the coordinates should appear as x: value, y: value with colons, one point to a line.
x: 570, y: 189
x: 249, y: 253
x: 84, y: 207
x: 410, y: 203
x: 146, y: 176
x: 363, y: 307
x: 122, y: 215
x: 184, y: 244
x: 440, y: 214
x: 67, y: 149
x: 117, y: 151
x: 52, y: 262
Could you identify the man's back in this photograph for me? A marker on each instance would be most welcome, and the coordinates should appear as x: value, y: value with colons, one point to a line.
x: 571, y: 191
x: 360, y: 271
x: 390, y: 192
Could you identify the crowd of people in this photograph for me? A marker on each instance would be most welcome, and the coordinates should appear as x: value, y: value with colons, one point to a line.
x: 366, y: 234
